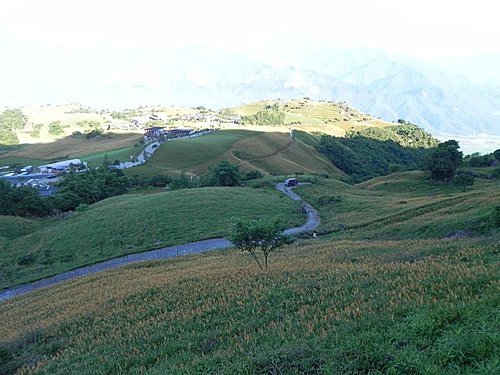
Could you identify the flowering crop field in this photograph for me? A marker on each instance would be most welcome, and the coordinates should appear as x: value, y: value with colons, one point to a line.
x: 344, y: 307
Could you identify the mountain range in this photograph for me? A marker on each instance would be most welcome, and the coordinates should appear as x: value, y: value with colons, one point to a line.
x: 375, y: 82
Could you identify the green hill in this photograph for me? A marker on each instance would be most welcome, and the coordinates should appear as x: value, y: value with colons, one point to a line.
x: 403, y: 205
x: 270, y: 153
x: 130, y: 224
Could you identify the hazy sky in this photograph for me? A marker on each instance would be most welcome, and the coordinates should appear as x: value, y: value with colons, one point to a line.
x: 41, y: 40
x: 421, y: 28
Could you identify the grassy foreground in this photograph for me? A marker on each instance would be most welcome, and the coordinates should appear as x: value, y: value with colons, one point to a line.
x: 130, y: 224
x: 349, y: 307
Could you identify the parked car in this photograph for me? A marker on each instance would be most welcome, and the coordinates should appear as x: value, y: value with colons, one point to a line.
x: 291, y: 182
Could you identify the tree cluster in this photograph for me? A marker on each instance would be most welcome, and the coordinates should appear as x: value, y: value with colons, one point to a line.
x: 476, y: 160
x: 10, y: 121
x: 443, y: 160
x: 362, y: 158
x: 271, y: 115
x: 405, y: 134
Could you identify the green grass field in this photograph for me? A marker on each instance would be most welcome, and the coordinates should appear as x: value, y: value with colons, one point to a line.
x: 123, y: 154
x: 402, y: 205
x: 347, y: 307
x: 130, y: 224
x: 387, y: 294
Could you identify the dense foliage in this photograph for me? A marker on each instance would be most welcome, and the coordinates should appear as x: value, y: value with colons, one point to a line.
x: 22, y: 201
x: 92, y: 186
x: 76, y: 189
x: 476, y: 160
x: 56, y: 128
x: 443, y: 160
x: 10, y: 121
x: 271, y: 115
x: 225, y: 174
x: 362, y: 158
x: 405, y: 134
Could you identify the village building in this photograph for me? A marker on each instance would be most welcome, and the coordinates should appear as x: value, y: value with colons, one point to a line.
x: 60, y: 166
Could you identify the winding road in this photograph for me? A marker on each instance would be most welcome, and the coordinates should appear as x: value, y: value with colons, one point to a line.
x: 167, y: 252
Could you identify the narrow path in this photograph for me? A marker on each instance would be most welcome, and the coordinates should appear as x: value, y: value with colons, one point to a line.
x: 164, y: 253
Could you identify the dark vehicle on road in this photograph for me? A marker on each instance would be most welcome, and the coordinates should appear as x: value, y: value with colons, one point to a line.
x: 291, y: 182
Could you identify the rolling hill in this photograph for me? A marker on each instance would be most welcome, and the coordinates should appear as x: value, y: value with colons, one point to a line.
x: 269, y: 153
x: 37, y: 248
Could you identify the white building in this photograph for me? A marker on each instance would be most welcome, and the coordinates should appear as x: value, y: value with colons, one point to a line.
x: 59, y: 166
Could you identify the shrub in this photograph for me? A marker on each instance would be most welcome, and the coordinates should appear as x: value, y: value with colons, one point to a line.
x: 56, y: 128
x: 82, y: 207
x: 253, y: 175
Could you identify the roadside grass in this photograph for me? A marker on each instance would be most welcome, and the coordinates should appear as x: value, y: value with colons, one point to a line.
x: 12, y: 227
x: 129, y: 224
x: 403, y: 205
x: 70, y: 147
x: 344, y: 307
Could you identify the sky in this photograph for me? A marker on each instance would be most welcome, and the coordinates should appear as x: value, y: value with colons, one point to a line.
x: 78, y: 41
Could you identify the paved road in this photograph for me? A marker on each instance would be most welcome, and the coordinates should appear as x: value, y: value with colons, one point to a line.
x: 167, y: 252
x: 312, y: 221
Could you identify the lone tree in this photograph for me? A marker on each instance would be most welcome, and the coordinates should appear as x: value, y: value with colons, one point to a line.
x: 443, y: 160
x: 252, y: 235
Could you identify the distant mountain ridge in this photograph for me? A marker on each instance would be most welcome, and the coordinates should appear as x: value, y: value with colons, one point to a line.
x: 376, y: 83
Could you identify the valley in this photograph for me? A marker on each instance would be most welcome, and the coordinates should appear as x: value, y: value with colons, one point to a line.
x: 400, y: 276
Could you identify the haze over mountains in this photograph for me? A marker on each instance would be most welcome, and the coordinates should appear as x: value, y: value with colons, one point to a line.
x: 374, y: 81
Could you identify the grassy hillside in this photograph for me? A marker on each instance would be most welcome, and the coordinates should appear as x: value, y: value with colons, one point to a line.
x: 403, y: 205
x: 130, y: 224
x: 270, y: 153
x: 397, y: 307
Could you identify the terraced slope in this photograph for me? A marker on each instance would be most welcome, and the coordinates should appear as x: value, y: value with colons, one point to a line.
x: 270, y: 153
x: 311, y: 116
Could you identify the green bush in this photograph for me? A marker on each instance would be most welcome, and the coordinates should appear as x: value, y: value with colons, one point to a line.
x: 82, y: 207
x: 56, y: 128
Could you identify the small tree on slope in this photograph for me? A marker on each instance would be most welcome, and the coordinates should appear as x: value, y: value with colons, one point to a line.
x: 252, y: 235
